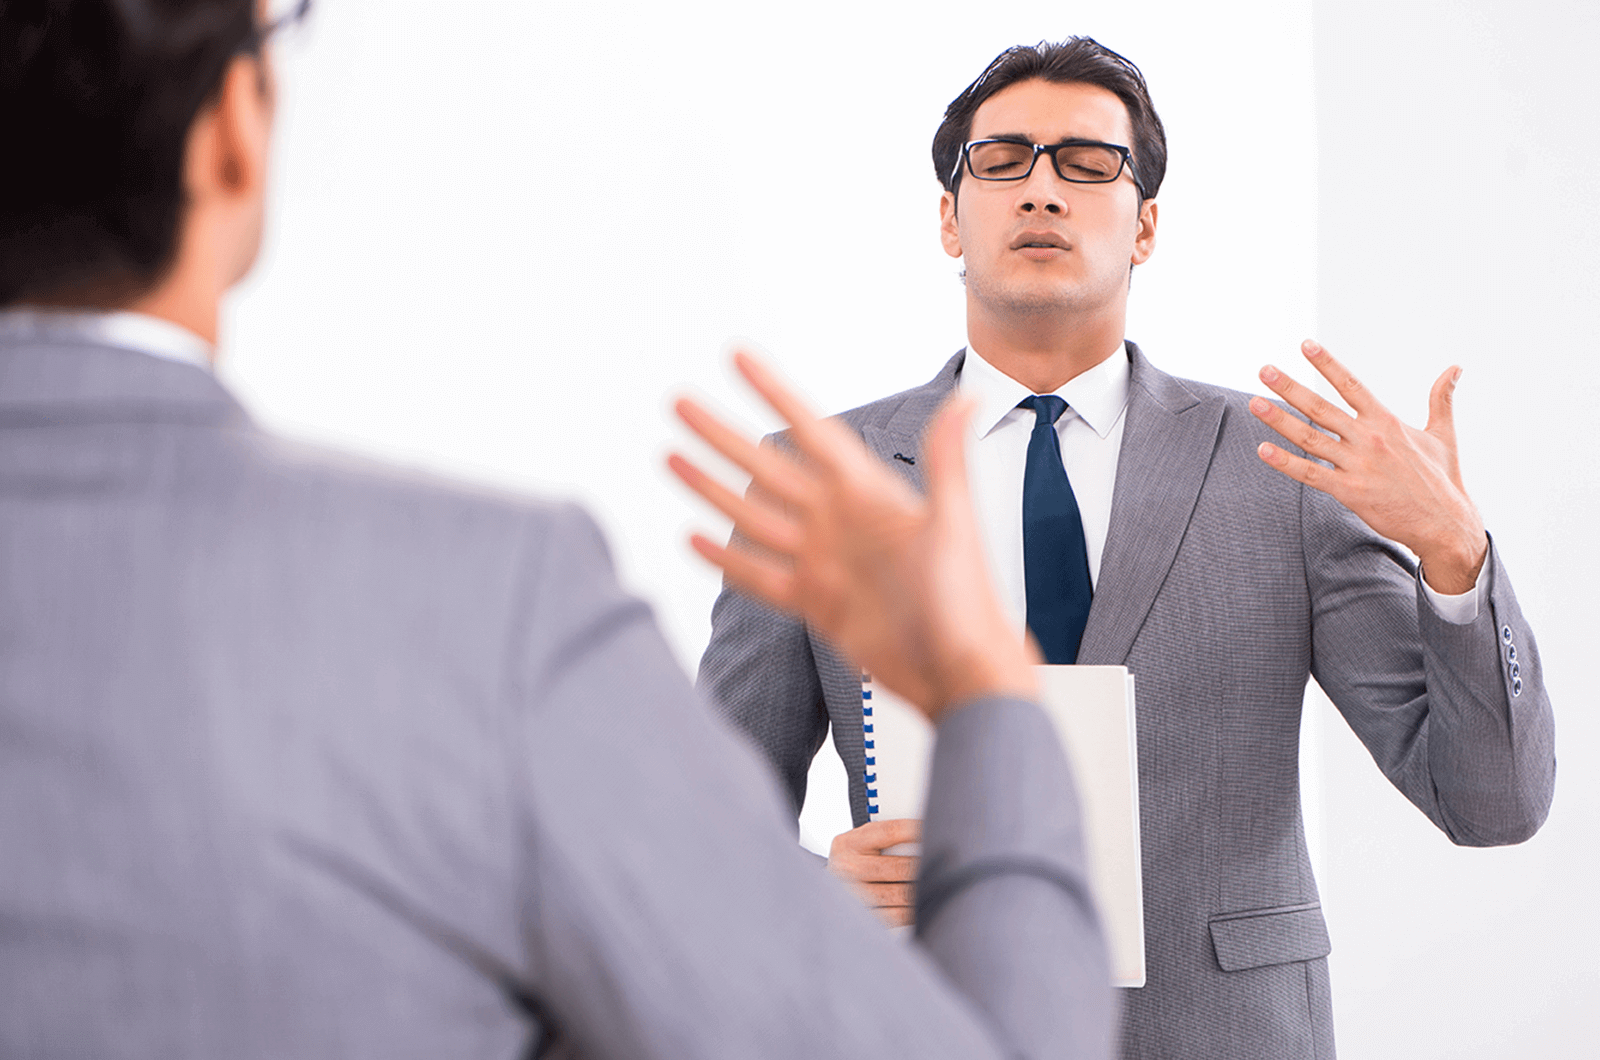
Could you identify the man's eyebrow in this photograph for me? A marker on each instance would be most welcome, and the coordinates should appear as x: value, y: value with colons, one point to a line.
x: 1024, y: 138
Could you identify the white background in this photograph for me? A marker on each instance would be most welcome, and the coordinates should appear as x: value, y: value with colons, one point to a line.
x: 506, y: 233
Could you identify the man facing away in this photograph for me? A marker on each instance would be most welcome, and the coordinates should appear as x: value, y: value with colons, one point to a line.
x: 302, y: 756
x: 1134, y: 518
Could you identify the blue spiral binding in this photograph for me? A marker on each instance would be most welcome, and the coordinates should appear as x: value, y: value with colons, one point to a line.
x: 869, y: 776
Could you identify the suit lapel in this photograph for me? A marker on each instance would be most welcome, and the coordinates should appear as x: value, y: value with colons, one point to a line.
x: 898, y: 442
x: 1167, y: 446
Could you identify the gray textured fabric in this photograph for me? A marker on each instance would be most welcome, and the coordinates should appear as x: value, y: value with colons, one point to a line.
x: 1223, y: 586
x: 303, y: 757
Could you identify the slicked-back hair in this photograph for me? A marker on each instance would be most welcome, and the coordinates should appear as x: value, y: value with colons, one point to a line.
x: 1076, y: 60
x: 96, y: 101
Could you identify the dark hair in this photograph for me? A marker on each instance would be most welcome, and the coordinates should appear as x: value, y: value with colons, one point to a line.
x: 98, y: 98
x: 1076, y: 60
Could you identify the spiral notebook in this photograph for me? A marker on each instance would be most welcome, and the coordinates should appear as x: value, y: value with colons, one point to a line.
x: 1092, y: 708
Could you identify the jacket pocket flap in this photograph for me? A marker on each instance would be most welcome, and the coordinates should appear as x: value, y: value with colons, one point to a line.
x: 1270, y: 936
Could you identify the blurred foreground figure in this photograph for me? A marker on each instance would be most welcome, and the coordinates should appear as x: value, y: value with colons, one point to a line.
x: 302, y: 756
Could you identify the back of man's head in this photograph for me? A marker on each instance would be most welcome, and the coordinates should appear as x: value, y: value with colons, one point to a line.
x: 98, y: 97
x: 1076, y: 60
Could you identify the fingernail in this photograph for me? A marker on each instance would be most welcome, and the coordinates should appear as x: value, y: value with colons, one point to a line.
x: 1311, y: 348
x: 1267, y: 450
x: 1457, y: 377
x: 1269, y: 374
x: 1259, y: 406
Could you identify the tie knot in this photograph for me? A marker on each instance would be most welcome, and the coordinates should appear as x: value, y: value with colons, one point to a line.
x: 1047, y: 407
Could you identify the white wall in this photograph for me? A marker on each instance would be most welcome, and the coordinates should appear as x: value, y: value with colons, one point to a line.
x: 1458, y: 223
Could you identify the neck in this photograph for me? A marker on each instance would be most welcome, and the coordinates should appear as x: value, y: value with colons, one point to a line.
x: 180, y: 297
x: 185, y: 298
x: 1044, y: 351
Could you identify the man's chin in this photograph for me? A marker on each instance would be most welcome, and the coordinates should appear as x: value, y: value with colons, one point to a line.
x: 1009, y: 294
x: 1028, y: 301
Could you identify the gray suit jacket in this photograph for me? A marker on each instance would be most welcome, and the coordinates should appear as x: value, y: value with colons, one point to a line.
x: 1223, y: 586
x: 304, y: 757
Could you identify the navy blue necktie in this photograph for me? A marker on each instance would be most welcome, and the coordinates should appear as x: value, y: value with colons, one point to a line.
x: 1055, y: 559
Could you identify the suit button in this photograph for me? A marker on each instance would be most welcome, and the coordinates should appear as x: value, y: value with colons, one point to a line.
x: 1516, y: 671
x: 1505, y: 634
x: 1516, y: 687
x: 1511, y: 653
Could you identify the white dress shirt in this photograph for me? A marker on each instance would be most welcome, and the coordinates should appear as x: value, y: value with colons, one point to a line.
x: 1090, y: 433
x: 130, y: 331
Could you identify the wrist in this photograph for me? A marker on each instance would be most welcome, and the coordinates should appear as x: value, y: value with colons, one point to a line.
x: 1452, y: 568
x: 989, y: 675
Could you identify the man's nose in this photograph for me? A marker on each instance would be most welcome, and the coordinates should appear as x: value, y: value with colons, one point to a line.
x: 1041, y: 191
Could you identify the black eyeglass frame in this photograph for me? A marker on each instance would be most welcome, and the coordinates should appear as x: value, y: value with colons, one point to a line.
x: 260, y: 34
x: 965, y: 157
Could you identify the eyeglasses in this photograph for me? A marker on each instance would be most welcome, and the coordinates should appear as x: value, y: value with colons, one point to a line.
x: 280, y: 15
x: 1077, y: 161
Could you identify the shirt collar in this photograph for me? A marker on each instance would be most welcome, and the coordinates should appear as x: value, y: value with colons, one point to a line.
x: 132, y: 331
x: 1097, y: 396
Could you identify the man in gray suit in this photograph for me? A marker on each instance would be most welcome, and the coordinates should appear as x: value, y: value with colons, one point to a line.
x: 1221, y: 566
x: 302, y: 756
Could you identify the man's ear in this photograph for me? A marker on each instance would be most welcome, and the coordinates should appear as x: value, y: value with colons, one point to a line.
x: 949, y: 235
x: 1144, y: 239
x: 228, y: 143
x: 225, y: 170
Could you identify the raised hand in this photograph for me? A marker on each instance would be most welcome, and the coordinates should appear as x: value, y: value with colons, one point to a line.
x: 897, y: 582
x: 1402, y: 482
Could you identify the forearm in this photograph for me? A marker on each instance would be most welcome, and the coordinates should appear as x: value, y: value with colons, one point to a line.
x: 1434, y: 701
x: 1003, y: 897
x: 1491, y: 729
x: 671, y: 916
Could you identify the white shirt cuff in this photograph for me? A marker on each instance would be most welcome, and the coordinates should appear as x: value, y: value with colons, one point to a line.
x: 1458, y: 610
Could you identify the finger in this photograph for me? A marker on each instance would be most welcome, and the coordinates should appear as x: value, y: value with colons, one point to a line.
x: 1298, y: 468
x: 752, y: 574
x: 757, y: 522
x: 877, y: 835
x: 881, y: 868
x: 886, y: 895
x: 774, y: 472
x: 1313, y: 405
x: 818, y: 438
x: 944, y: 449
x: 897, y: 916
x: 1354, y: 392
x: 774, y: 390
x: 1442, y: 404
x: 1294, y: 430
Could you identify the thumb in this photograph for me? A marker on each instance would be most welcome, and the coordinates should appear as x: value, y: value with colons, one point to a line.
x: 1441, y: 404
x: 945, y: 451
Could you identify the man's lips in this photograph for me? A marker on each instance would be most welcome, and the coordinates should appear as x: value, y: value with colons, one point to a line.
x: 1039, y: 241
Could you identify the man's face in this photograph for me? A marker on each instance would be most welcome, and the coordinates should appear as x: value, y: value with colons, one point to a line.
x: 1091, y: 233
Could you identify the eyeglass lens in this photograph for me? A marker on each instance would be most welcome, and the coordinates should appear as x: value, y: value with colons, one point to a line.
x: 1005, y: 160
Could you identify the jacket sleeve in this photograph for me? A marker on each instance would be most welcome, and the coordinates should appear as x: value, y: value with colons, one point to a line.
x: 1456, y: 716
x: 667, y: 911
